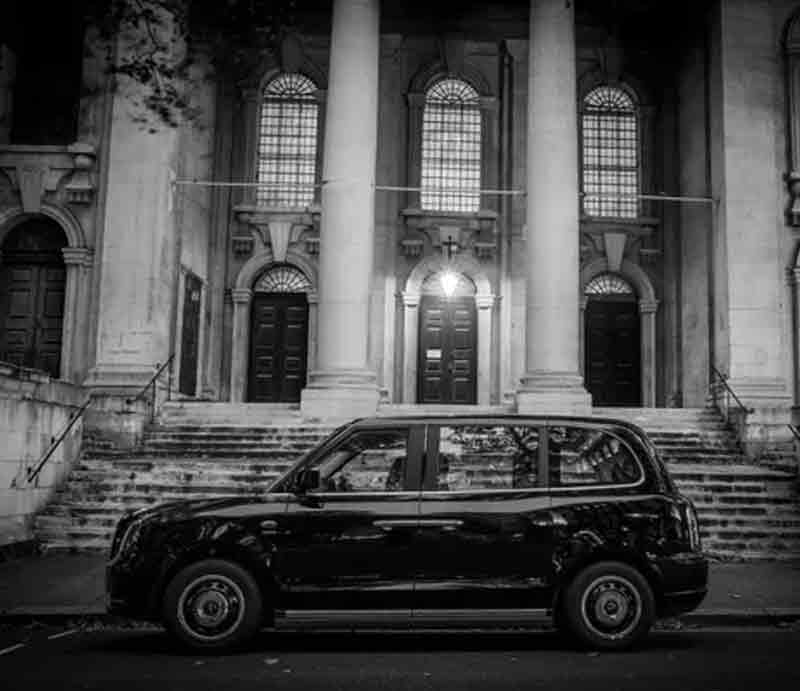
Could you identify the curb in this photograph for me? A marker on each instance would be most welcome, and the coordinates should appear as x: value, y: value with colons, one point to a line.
x: 765, y: 617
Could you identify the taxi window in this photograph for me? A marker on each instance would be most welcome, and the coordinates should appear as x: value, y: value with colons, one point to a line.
x: 589, y: 456
x: 487, y: 457
x: 368, y: 461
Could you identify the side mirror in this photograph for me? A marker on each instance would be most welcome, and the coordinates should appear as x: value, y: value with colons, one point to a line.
x: 307, y: 480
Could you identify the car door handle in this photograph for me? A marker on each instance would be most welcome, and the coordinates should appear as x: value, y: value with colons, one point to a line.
x: 443, y: 523
x: 396, y: 523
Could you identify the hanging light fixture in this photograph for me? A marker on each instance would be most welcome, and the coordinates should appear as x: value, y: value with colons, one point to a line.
x: 449, y: 278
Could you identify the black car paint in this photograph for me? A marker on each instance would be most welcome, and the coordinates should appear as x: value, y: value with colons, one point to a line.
x: 482, y: 549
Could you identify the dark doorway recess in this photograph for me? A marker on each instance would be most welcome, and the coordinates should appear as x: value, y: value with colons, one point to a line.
x: 278, y: 347
x: 447, y: 350
x: 32, y: 286
x: 190, y: 335
x: 613, y: 359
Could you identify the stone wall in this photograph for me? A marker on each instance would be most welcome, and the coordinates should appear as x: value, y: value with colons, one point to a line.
x: 33, y: 409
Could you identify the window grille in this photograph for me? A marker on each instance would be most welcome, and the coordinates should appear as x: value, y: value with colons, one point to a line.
x: 451, y: 147
x: 610, y: 154
x: 608, y: 284
x: 283, y: 278
x: 287, y: 142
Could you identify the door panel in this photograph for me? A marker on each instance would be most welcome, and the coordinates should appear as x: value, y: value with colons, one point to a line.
x: 349, y: 544
x: 485, y: 539
x: 279, y: 339
x: 31, y: 315
x: 190, y: 335
x: 612, y: 361
x: 447, y: 350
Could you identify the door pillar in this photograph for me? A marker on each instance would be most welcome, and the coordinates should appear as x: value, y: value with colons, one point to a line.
x: 242, y: 299
x: 343, y: 383
x: 552, y: 382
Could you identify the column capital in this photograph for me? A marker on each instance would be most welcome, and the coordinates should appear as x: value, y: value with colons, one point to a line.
x: 241, y: 296
x: 648, y: 306
x: 484, y: 302
x: 411, y: 299
x: 81, y: 256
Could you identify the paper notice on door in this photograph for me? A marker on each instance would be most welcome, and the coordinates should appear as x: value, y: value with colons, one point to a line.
x: 433, y: 353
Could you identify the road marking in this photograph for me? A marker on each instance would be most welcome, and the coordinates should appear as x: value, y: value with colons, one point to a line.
x: 12, y: 648
x: 69, y: 632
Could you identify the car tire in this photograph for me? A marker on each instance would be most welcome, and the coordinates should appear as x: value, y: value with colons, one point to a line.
x: 609, y: 606
x: 212, y: 605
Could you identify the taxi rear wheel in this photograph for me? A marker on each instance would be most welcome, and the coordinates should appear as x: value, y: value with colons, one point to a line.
x: 609, y: 606
x: 213, y: 605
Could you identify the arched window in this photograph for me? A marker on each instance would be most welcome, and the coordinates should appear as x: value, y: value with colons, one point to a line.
x: 282, y: 278
x: 608, y: 284
x: 451, y: 147
x: 610, y: 153
x: 287, y: 142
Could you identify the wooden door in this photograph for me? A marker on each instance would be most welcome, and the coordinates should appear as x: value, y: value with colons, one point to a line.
x: 32, y: 314
x: 278, y: 347
x: 613, y: 359
x: 447, y: 361
x: 190, y: 335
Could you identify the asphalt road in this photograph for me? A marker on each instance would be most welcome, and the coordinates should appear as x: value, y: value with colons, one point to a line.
x: 116, y: 659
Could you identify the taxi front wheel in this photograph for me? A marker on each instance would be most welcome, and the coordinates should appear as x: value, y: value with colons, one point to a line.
x: 213, y: 605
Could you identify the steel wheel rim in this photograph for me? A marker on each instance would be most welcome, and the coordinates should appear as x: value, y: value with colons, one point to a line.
x: 211, y: 607
x: 611, y: 607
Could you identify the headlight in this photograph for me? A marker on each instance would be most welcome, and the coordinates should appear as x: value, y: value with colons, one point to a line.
x: 130, y: 539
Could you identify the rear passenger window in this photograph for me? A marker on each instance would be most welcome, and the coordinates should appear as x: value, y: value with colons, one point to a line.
x: 486, y: 457
x: 589, y: 456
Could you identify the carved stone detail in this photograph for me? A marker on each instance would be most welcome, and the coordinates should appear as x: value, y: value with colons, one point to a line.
x: 476, y: 231
x: 281, y: 228
x: 793, y: 184
x: 35, y: 171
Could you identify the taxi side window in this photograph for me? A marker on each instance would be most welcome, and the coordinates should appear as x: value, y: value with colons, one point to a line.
x: 589, y: 456
x: 487, y: 457
x: 368, y: 461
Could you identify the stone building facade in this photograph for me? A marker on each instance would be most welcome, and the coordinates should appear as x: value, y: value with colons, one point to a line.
x: 531, y: 204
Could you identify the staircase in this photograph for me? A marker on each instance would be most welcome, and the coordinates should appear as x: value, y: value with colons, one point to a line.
x: 746, y: 511
x: 173, y: 462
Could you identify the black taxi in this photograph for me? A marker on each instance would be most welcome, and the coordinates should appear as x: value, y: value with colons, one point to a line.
x: 427, y: 521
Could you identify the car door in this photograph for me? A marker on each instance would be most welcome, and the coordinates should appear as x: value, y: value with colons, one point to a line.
x: 346, y: 545
x: 485, y: 533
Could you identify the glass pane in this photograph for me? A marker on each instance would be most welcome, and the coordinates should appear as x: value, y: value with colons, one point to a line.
x: 610, y: 155
x: 283, y: 279
x: 451, y: 148
x: 586, y: 456
x: 487, y: 457
x: 373, y: 461
x: 287, y: 143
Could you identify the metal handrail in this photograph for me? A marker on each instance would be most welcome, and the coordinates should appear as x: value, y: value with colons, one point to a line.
x: 723, y: 380
x: 56, y: 442
x: 152, y: 384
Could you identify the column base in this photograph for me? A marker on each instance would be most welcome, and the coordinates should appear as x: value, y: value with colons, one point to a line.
x: 120, y: 380
x: 553, y: 393
x: 340, y: 395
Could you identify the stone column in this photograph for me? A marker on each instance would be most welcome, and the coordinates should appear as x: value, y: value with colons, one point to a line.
x: 552, y: 381
x: 76, y: 312
x: 410, y: 337
x: 484, y: 303
x: 748, y: 245
x: 647, y: 313
x: 138, y: 249
x: 242, y: 298
x: 344, y: 385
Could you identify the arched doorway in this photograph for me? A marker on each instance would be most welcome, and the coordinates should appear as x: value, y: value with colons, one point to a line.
x: 612, y: 366
x: 448, y: 341
x: 279, y: 335
x: 32, y: 287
